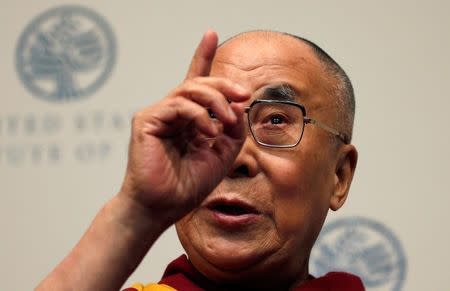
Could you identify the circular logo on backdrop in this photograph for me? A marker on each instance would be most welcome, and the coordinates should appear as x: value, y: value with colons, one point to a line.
x: 363, y: 247
x: 65, y: 53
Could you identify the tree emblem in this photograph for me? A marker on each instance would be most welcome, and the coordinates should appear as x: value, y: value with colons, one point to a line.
x: 362, y: 247
x: 65, y: 53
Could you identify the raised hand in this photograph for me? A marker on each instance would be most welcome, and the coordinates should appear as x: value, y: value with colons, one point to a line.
x: 173, y: 163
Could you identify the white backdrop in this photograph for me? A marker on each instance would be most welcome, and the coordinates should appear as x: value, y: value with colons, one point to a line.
x: 60, y: 161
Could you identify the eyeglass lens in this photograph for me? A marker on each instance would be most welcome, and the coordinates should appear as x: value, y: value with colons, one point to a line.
x: 276, y: 124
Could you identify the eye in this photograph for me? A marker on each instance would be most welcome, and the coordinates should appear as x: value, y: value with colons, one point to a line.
x: 277, y: 119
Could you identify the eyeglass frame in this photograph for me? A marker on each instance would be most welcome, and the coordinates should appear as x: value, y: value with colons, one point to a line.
x: 306, y: 120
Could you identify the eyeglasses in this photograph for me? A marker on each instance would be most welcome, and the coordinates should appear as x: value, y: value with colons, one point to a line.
x: 280, y: 124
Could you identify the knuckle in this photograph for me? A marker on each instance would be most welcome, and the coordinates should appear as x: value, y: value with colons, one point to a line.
x: 182, y: 89
x: 223, y: 82
x: 226, y: 82
x: 219, y: 83
x: 137, y: 117
x: 177, y: 101
x: 199, y: 111
x: 189, y: 85
x: 199, y: 79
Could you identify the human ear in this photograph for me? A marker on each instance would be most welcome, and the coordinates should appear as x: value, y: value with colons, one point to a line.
x: 343, y: 176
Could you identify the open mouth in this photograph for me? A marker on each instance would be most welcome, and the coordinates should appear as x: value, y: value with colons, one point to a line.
x: 232, y: 208
x: 233, y: 214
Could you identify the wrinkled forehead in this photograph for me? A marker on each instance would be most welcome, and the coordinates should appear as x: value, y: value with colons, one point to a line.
x: 261, y: 59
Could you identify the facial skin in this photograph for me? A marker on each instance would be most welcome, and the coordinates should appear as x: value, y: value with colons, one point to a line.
x: 290, y: 189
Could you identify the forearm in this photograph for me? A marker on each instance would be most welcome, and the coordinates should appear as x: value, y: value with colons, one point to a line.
x: 113, y: 246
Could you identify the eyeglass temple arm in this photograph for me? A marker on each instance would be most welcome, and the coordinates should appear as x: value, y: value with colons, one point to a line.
x: 340, y: 135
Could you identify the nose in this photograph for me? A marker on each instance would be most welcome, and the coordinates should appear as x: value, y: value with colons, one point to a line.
x: 246, y: 163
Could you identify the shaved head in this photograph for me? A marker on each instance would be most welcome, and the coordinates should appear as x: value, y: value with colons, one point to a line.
x: 341, y: 89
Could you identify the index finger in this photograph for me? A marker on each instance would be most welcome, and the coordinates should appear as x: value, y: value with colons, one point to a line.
x: 203, y: 56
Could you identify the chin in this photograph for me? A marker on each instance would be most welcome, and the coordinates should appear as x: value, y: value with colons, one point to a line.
x: 232, y: 255
x: 244, y: 258
x: 230, y: 250
x: 229, y: 265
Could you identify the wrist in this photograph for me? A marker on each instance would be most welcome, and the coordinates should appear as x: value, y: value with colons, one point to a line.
x: 136, y: 219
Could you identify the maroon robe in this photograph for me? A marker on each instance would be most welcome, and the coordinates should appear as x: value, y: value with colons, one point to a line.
x: 182, y: 275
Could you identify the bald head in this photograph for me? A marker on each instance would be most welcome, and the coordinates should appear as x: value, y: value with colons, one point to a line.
x: 341, y: 89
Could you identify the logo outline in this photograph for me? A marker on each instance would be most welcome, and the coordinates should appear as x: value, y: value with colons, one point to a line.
x: 351, y: 228
x: 33, y: 28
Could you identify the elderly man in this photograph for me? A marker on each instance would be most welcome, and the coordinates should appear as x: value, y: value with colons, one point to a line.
x: 246, y: 157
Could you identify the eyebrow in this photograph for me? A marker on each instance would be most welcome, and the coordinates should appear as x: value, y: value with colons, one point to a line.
x: 284, y: 92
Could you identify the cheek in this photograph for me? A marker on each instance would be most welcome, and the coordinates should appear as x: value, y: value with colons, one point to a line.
x: 301, y: 189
